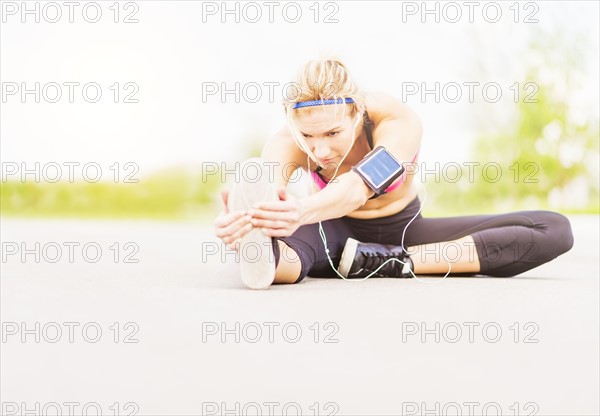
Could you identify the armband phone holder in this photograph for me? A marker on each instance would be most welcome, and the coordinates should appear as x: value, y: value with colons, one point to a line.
x: 378, y: 169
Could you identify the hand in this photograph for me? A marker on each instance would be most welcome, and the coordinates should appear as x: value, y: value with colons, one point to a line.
x: 231, y: 226
x: 278, y: 218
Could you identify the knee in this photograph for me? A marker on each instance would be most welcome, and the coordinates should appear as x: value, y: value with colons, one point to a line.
x: 562, y: 232
x: 558, y: 237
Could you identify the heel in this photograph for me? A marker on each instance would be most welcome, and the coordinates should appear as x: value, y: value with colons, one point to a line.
x: 348, y: 256
x: 257, y: 264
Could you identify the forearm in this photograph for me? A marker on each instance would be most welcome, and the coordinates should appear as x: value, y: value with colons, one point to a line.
x: 345, y: 194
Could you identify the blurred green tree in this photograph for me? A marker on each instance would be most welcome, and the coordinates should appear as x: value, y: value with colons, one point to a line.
x: 548, y: 153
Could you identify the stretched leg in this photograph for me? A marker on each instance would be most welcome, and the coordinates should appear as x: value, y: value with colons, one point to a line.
x: 288, y: 267
x: 303, y: 252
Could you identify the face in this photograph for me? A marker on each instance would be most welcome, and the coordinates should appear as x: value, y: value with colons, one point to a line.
x: 327, y: 133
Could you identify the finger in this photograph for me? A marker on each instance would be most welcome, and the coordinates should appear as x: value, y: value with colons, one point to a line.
x: 270, y: 215
x: 225, y: 198
x: 234, y: 227
x: 234, y: 245
x: 227, y: 229
x: 224, y: 220
x: 270, y: 224
x: 240, y: 233
x: 275, y: 206
x: 282, y: 194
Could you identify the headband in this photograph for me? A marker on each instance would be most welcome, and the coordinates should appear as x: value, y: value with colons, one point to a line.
x: 301, y: 104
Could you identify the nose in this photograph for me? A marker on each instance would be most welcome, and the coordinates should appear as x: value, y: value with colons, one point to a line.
x: 321, y: 149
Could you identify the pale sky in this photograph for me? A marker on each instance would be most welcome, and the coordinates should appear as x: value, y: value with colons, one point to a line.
x: 171, y: 55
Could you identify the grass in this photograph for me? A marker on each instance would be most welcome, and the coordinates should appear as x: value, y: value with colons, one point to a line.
x: 185, y: 197
x: 174, y: 195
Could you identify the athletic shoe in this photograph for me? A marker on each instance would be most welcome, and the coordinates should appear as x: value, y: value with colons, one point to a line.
x: 251, y: 187
x: 361, y: 259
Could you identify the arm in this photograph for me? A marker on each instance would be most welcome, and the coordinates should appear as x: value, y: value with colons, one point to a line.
x: 345, y: 194
x: 400, y: 131
x: 282, y: 218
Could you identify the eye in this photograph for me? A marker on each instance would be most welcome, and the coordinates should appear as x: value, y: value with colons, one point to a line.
x: 333, y: 133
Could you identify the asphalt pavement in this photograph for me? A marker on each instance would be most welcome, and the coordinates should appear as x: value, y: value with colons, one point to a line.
x: 151, y: 318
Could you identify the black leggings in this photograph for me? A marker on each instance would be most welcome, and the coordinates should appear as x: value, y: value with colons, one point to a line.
x: 506, y: 244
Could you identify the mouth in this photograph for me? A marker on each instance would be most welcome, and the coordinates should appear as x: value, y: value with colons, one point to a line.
x: 326, y: 161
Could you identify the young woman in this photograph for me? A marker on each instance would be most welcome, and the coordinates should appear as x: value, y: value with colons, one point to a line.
x: 346, y: 229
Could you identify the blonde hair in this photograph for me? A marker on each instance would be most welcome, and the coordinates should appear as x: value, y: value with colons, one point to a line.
x: 323, y: 80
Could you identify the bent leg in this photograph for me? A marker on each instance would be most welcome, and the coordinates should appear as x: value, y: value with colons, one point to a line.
x: 502, y: 245
x: 434, y: 258
x: 516, y: 249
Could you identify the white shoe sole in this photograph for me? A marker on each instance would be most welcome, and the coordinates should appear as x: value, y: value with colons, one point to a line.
x: 347, y: 256
x: 257, y: 260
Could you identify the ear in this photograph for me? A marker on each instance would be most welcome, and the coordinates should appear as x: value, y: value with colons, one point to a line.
x: 360, y: 109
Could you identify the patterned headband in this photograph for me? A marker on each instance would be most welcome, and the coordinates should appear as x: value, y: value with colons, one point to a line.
x: 322, y: 102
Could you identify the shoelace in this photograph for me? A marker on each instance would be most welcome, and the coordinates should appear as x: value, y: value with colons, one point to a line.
x: 373, y: 260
